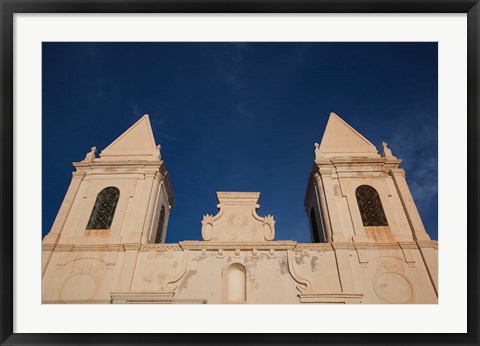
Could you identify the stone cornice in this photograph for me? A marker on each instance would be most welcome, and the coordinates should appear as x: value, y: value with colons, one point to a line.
x: 79, y: 174
x: 141, y: 297
x: 408, y: 245
x: 330, y: 297
x: 313, y: 247
x: 424, y: 244
x: 132, y: 246
x: 342, y: 246
x: 106, y: 163
x: 263, y: 245
x: 344, y: 166
x: 160, y: 247
x: 48, y: 247
x: 397, y: 171
x: 364, y: 160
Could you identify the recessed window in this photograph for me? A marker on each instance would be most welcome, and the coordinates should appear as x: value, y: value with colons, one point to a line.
x: 313, y: 221
x: 104, y: 209
x: 160, y: 225
x: 370, y: 206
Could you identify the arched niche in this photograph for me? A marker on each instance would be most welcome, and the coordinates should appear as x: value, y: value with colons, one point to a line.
x: 236, y: 284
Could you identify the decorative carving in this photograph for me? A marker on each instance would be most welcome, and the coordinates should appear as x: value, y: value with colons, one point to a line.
x: 207, y: 225
x: 78, y: 288
x: 303, y: 284
x: 160, y: 247
x: 172, y: 282
x: 387, y: 266
x: 318, y: 153
x: 268, y: 230
x: 90, y: 157
x: 82, y: 283
x: 393, y: 288
x: 237, y: 220
x: 157, y: 154
x: 386, y: 151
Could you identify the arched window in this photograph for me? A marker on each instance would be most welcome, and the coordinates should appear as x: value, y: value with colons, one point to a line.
x: 236, y: 284
x: 161, y: 223
x: 370, y: 206
x: 104, y: 208
x: 313, y: 221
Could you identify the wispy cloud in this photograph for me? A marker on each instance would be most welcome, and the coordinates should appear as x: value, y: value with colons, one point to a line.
x: 231, y: 69
x: 241, y: 109
x: 417, y: 144
x: 99, y: 88
x: 136, y: 111
x: 230, y: 64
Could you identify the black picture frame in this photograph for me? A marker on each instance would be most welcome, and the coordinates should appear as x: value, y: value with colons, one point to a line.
x: 10, y: 7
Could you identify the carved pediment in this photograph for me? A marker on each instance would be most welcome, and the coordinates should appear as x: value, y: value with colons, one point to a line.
x: 237, y: 219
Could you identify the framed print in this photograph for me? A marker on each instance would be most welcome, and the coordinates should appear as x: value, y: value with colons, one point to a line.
x: 286, y: 172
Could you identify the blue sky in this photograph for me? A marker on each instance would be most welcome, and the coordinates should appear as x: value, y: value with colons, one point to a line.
x: 239, y: 117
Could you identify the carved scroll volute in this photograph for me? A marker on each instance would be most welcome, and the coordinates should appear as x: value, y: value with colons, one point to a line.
x: 207, y: 227
x: 268, y: 227
x: 304, y: 286
x: 171, y: 283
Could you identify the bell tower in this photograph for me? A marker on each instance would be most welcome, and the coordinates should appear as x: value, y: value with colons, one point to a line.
x: 356, y: 194
x: 122, y: 197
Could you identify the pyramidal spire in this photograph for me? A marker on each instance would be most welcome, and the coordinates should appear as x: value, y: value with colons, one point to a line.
x: 135, y: 143
x: 340, y: 139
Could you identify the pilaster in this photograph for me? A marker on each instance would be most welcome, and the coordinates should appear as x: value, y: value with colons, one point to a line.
x: 414, y: 220
x: 344, y: 266
x: 152, y: 175
x: 323, y: 209
x: 335, y: 223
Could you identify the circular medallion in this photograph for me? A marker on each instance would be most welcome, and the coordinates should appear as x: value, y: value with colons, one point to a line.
x: 393, y: 288
x: 78, y: 289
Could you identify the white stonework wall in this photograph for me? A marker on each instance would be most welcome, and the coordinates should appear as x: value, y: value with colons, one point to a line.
x: 238, y: 261
x: 287, y: 273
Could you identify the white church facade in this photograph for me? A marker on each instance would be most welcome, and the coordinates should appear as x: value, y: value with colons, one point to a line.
x: 369, y: 245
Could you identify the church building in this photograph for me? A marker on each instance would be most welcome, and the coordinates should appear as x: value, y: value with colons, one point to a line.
x: 369, y: 245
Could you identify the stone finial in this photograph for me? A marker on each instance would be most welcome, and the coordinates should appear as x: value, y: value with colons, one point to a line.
x: 386, y: 151
x: 90, y: 157
x: 317, y: 150
x: 158, y: 149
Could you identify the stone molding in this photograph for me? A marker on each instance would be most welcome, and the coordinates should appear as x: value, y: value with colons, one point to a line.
x: 313, y: 246
x: 426, y: 244
x: 345, y: 298
x: 140, y: 164
x: 208, y: 245
x: 142, y: 297
x: 160, y: 247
